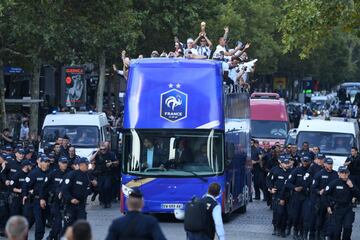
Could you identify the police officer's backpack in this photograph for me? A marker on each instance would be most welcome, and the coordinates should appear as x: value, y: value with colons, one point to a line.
x: 195, y: 215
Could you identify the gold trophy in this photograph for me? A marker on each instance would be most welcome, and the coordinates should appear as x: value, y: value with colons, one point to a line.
x: 203, y: 26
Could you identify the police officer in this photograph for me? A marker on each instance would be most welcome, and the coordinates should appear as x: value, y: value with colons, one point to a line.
x: 77, y: 186
x: 309, y: 216
x: 295, y: 184
x: 14, y: 166
x: 321, y: 180
x: 16, y: 185
x: 353, y: 163
x: 267, y: 165
x: 276, y: 183
x: 104, y: 159
x: 52, y: 191
x: 341, y: 194
x: 34, y: 182
x: 3, y: 195
x: 256, y: 170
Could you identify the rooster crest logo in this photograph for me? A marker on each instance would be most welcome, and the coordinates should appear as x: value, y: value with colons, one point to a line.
x: 173, y: 102
x: 173, y: 105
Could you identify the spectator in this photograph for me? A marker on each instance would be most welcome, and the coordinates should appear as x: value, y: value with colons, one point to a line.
x: 24, y: 131
x: 135, y: 225
x: 17, y: 228
x: 214, y: 223
x: 81, y: 230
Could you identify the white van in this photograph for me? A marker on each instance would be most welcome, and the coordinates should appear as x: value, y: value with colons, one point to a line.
x: 86, y: 130
x: 335, y: 137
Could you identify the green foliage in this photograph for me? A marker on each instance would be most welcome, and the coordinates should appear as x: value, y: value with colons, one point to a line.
x: 307, y: 23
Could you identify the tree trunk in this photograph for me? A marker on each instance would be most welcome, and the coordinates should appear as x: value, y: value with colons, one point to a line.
x: 101, y: 84
x: 35, y: 89
x: 2, y: 97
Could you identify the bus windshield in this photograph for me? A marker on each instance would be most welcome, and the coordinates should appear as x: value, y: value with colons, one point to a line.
x: 79, y: 136
x: 183, y: 153
x: 269, y: 129
x: 329, y: 142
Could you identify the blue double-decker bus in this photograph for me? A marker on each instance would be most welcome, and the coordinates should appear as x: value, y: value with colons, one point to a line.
x: 181, y: 133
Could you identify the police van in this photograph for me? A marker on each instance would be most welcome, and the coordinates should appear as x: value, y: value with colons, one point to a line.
x: 85, y: 130
x: 334, y: 136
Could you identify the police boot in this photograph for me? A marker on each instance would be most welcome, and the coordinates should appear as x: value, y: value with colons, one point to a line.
x: 305, y: 235
x: 327, y: 238
x: 283, y: 234
x: 288, y: 231
x: 274, y: 231
x: 296, y: 235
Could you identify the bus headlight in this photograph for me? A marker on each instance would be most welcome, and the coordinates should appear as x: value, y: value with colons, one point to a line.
x: 179, y: 214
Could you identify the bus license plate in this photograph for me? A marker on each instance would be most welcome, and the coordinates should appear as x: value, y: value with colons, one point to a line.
x: 172, y: 206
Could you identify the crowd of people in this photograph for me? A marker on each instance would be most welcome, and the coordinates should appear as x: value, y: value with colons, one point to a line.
x: 308, y: 197
x: 235, y: 61
x: 51, y: 188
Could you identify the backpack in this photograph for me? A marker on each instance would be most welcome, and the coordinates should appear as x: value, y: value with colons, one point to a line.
x: 195, y: 215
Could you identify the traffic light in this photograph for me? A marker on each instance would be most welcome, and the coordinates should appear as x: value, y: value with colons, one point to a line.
x: 68, y: 82
x: 308, y: 86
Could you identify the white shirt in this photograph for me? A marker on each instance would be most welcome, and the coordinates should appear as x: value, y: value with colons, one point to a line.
x: 24, y: 132
x: 192, y: 50
x: 218, y: 49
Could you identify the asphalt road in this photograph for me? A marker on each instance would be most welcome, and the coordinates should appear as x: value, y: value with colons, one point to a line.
x: 253, y: 225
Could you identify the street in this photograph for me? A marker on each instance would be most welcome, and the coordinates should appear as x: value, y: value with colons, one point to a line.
x: 255, y: 224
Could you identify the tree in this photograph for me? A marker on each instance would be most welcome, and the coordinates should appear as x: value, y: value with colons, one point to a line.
x: 103, y: 29
x: 306, y: 24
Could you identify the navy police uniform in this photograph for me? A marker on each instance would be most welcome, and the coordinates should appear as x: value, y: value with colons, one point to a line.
x: 339, y: 199
x: 77, y: 185
x: 295, y: 185
x: 276, y: 180
x: 52, y: 191
x: 16, y: 185
x: 35, y: 181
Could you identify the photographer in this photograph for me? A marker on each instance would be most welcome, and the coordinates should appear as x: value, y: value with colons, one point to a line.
x: 104, y: 161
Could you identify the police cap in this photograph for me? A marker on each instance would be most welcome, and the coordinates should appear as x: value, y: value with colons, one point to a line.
x: 343, y: 169
x: 8, y: 148
x: 320, y: 156
x: 329, y: 160
x: 20, y: 151
x: 306, y: 158
x: 63, y: 160
x: 44, y: 159
x: 25, y: 163
x: 82, y: 160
